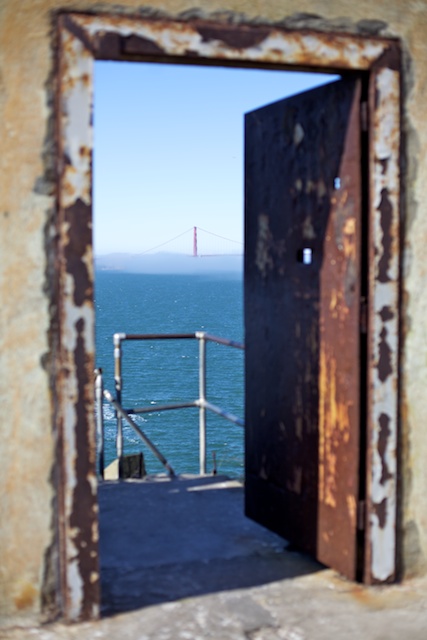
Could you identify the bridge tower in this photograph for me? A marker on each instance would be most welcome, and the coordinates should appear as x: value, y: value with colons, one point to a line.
x: 195, y: 242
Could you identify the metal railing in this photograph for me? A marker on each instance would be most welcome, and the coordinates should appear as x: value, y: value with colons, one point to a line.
x: 124, y: 414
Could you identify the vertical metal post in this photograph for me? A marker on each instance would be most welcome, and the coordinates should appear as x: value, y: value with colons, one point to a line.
x: 99, y: 392
x: 118, y: 385
x: 202, y: 399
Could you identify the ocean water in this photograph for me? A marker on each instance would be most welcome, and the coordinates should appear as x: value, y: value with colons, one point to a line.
x: 162, y: 372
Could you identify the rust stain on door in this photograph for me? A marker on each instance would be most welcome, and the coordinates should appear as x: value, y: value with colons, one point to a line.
x: 302, y: 271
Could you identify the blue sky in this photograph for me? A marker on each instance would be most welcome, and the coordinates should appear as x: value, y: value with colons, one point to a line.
x: 169, y: 149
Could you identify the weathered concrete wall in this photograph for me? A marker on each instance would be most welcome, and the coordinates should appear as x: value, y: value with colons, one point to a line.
x: 27, y: 59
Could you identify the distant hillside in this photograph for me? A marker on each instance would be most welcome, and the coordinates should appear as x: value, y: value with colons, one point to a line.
x: 169, y: 263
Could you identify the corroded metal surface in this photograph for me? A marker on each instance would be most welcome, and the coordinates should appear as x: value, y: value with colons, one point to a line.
x: 78, y: 504
x: 121, y: 37
x: 85, y: 37
x: 302, y: 320
x: 339, y: 357
x: 383, y: 325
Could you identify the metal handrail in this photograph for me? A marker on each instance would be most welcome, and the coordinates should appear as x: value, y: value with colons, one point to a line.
x: 99, y: 417
x: 124, y: 414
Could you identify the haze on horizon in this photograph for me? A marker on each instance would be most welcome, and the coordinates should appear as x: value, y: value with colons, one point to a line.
x: 169, y: 263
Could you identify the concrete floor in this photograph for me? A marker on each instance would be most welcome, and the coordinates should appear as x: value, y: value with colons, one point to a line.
x: 180, y: 560
x: 167, y: 540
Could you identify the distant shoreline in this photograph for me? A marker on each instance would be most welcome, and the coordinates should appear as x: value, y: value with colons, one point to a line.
x: 169, y: 264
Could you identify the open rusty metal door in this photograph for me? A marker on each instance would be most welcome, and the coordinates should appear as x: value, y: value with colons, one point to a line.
x: 303, y: 291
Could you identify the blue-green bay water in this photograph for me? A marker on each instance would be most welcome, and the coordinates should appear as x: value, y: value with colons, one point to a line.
x: 162, y: 372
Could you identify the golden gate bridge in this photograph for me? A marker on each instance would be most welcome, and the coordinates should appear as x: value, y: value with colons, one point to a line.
x: 200, y: 243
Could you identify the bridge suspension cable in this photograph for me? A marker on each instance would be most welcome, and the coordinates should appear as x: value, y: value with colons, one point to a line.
x: 158, y: 246
x: 220, y: 249
x: 218, y: 252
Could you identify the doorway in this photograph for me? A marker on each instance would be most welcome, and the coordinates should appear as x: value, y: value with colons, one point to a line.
x: 85, y: 37
x: 169, y: 154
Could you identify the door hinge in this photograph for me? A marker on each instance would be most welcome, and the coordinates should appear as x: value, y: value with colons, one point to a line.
x: 361, y: 515
x: 363, y: 315
x: 364, y: 116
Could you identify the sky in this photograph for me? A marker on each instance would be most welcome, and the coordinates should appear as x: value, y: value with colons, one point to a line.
x: 168, y: 150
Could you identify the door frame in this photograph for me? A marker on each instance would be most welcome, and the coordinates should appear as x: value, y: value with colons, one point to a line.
x: 82, y: 39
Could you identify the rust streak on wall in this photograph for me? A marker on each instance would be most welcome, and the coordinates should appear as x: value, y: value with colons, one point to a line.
x: 84, y: 498
x: 386, y: 218
x: 78, y: 222
x: 78, y: 504
x: 384, y: 434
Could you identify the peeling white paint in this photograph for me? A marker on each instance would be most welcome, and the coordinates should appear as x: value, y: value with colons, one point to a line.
x: 76, y: 184
x: 73, y: 315
x: 385, y: 180
x: 76, y: 109
x: 277, y: 47
x: 283, y: 47
x: 383, y: 543
x: 75, y: 589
